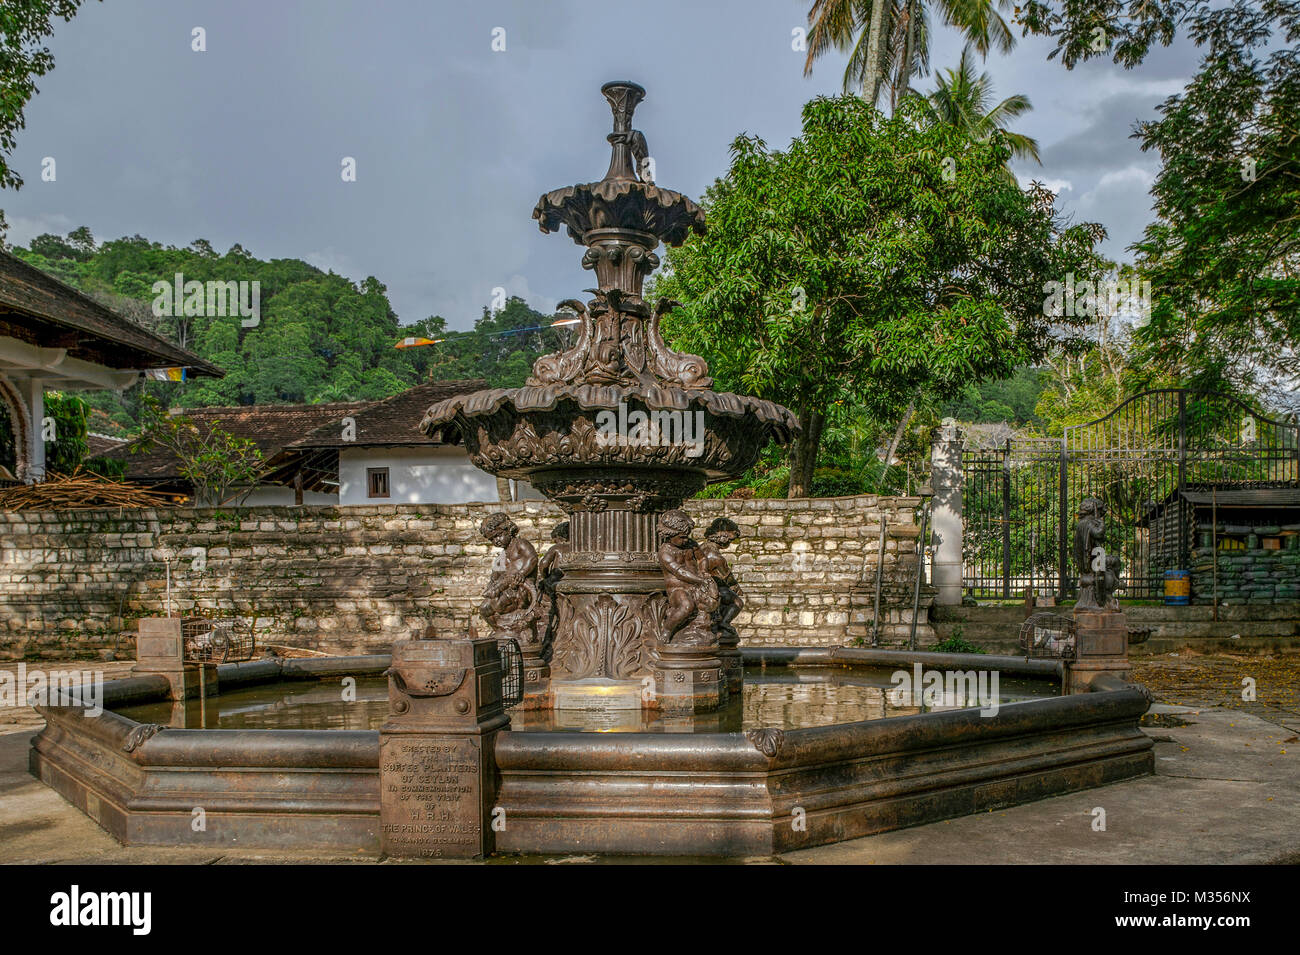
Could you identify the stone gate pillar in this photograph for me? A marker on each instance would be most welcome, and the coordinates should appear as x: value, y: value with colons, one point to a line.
x: 946, y: 479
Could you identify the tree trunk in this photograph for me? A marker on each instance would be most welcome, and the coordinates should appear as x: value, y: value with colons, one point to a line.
x: 898, y: 432
x: 875, y: 64
x: 803, y: 452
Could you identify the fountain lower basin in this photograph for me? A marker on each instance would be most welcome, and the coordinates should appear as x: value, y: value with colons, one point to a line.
x: 719, y: 786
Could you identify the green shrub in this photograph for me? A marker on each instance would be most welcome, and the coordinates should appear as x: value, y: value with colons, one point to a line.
x: 956, y: 643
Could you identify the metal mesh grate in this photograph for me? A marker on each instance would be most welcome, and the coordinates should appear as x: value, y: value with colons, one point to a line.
x: 512, y: 672
x: 216, y: 641
x: 1048, y: 635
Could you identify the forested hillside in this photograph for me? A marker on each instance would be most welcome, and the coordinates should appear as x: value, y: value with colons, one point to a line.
x: 319, y: 336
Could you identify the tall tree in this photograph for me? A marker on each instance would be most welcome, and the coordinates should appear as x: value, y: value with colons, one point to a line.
x: 963, y: 98
x: 888, y: 41
x: 857, y: 266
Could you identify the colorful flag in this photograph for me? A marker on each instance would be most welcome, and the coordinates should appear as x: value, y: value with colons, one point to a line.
x: 167, y: 374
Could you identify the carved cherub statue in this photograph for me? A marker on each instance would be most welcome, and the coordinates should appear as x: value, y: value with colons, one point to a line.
x: 1111, y: 582
x: 692, y: 593
x: 550, y: 573
x: 731, y: 600
x: 510, y: 602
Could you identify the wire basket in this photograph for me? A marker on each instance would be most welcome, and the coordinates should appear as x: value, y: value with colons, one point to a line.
x: 1050, y: 635
x: 512, y: 672
x: 228, y: 640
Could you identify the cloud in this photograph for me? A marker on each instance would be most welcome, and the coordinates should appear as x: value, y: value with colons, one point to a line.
x: 1120, y: 200
x: 22, y: 229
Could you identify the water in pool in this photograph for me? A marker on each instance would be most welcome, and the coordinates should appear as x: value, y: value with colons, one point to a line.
x: 784, y: 698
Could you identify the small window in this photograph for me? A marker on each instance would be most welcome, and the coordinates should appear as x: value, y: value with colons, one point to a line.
x: 376, y: 482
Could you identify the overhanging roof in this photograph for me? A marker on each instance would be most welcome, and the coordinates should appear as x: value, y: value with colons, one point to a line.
x: 273, y: 428
x: 395, y: 421
x: 66, y: 325
x: 1246, y: 497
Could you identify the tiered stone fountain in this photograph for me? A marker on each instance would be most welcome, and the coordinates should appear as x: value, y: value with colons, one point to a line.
x: 618, y: 430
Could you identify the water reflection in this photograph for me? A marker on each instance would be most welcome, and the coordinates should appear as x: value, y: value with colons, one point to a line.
x: 788, y: 699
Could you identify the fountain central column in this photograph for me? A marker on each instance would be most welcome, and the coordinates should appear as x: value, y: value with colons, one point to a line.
x: 617, y: 430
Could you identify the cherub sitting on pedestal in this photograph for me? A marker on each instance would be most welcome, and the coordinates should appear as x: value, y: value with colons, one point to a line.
x: 731, y: 600
x: 692, y: 593
x: 1111, y: 581
x: 510, y: 602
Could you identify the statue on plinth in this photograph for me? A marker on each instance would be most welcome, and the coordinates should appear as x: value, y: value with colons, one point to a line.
x: 692, y: 592
x: 511, y: 602
x: 731, y: 600
x: 1090, y: 555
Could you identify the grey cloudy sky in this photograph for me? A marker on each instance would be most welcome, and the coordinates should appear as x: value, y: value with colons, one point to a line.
x: 454, y: 142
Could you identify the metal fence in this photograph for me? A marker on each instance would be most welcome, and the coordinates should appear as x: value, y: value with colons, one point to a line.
x: 1020, y: 497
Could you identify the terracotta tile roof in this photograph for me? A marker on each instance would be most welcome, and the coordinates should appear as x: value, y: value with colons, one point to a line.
x: 281, y: 431
x: 98, y: 445
x: 39, y: 306
x: 395, y: 420
x: 272, y: 428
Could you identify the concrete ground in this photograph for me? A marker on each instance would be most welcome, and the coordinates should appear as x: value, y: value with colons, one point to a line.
x: 1226, y: 790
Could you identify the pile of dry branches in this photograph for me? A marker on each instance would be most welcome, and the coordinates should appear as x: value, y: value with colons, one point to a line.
x: 80, y: 490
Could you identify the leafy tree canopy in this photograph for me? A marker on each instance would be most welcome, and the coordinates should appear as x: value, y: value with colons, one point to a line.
x: 1223, y: 254
x: 873, y: 261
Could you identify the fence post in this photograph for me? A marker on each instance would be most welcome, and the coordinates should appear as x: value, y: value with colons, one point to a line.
x: 1006, y: 520
x: 946, y: 513
x: 1184, y: 557
x: 1063, y: 522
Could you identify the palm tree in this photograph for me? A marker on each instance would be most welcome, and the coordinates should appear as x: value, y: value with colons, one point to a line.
x: 962, y: 98
x: 888, y: 41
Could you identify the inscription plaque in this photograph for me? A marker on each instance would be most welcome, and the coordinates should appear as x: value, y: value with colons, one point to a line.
x: 432, y: 798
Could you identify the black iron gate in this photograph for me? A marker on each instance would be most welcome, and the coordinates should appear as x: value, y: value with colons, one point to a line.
x: 1020, y: 497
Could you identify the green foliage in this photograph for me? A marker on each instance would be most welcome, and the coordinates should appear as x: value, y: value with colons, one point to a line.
x: 8, y: 445
x: 964, y: 99
x: 889, y: 43
x: 112, y: 468
x: 1222, y: 253
x: 501, y: 348
x: 68, y: 449
x: 24, y: 26
x: 849, y: 269
x: 320, y: 336
x: 1012, y: 399
x: 956, y: 643
x: 213, y: 460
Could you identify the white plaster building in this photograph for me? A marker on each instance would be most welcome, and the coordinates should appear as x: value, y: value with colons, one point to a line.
x: 346, y: 453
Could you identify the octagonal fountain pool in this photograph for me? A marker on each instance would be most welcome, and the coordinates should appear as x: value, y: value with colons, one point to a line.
x: 820, y: 747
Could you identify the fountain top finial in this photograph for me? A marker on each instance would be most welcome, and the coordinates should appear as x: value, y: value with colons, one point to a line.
x: 623, y: 96
x: 628, y: 144
x: 622, y: 199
